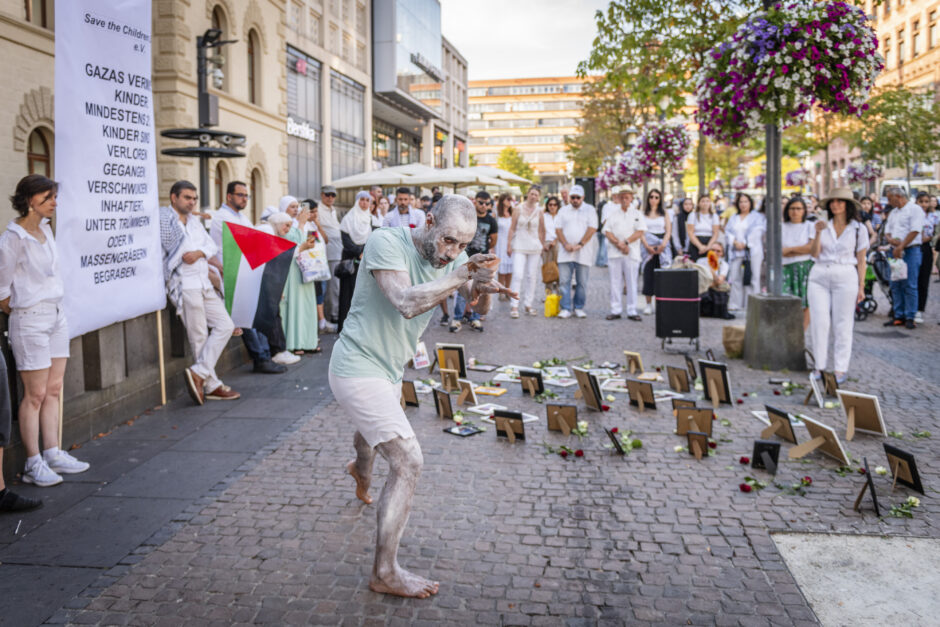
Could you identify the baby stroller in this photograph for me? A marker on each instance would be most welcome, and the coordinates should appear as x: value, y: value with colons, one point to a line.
x: 878, y: 271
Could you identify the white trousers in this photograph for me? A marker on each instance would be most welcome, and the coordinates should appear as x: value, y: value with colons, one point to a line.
x: 526, y: 272
x: 739, y: 292
x: 832, y: 291
x: 204, y: 310
x: 623, y: 271
x: 331, y: 295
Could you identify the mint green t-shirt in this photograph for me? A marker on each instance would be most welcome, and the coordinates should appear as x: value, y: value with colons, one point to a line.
x: 377, y: 341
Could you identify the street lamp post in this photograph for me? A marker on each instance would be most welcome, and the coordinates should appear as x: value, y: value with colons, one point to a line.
x: 774, y: 211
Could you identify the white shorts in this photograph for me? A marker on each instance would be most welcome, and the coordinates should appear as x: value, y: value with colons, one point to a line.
x: 373, y: 406
x: 38, y: 334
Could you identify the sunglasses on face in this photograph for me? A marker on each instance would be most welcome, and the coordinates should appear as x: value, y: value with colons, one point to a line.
x: 330, y: 195
x: 574, y: 197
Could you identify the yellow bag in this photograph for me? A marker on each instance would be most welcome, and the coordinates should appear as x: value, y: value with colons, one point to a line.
x: 552, y: 305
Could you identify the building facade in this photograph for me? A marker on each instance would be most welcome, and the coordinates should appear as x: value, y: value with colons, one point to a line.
x: 532, y: 115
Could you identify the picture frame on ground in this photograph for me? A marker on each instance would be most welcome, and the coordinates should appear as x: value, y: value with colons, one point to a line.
x: 780, y: 425
x: 691, y: 367
x: 450, y: 380
x: 532, y: 382
x: 561, y: 372
x: 615, y: 439
x: 486, y: 409
x: 694, y: 419
x: 563, y: 382
x: 822, y: 437
x: 641, y: 394
x: 862, y: 413
x: 830, y: 385
x: 589, y: 389
x: 697, y: 443
x: 442, y: 405
x: 421, y: 359
x: 561, y: 417
x: 678, y: 403
x: 869, y: 486
x: 766, y: 455
x: 615, y: 386
x: 482, y: 367
x: 489, y: 390
x: 903, y: 468
x: 678, y: 379
x: 815, y: 392
x: 634, y: 362
x: 452, y: 357
x: 467, y: 396
x: 409, y: 395
x: 716, y: 382
x: 463, y: 430
x: 509, y: 425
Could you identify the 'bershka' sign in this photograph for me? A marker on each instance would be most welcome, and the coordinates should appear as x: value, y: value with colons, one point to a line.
x: 107, y: 224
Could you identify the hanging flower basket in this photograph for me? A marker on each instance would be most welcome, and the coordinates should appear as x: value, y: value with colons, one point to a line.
x: 661, y: 145
x: 760, y: 180
x: 781, y: 62
x: 740, y: 182
x: 863, y: 172
x: 797, y: 178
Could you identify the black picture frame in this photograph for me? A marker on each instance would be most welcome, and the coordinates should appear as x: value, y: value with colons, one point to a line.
x: 442, y: 405
x: 868, y: 486
x: 618, y: 447
x: 699, y: 417
x: 558, y: 413
x: 535, y: 376
x: 767, y: 448
x: 463, y: 431
x: 678, y: 379
x: 785, y: 429
x: 448, y: 354
x: 894, y: 454
x: 408, y: 393
x: 515, y: 421
x: 641, y: 389
x: 590, y: 388
x: 682, y: 402
x: 691, y: 367
x: 717, y: 371
x: 702, y: 439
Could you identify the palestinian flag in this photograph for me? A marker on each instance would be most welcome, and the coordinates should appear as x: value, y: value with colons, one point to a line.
x: 255, y: 267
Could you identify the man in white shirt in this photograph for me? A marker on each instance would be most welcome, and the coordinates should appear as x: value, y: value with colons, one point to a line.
x: 575, y: 226
x: 404, y: 214
x: 564, y: 196
x: 902, y: 231
x: 208, y: 325
x: 334, y: 253
x: 236, y: 199
x: 623, y: 226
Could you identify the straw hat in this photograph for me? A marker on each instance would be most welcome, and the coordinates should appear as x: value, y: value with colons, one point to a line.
x: 840, y: 193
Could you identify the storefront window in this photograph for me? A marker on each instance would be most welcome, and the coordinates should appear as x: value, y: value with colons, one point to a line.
x: 440, y: 138
x: 304, y: 125
x: 460, y: 147
x: 347, y: 113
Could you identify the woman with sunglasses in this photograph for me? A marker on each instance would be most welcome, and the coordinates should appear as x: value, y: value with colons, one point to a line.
x: 656, y: 251
x: 504, y: 220
x: 526, y: 241
x: 550, y: 249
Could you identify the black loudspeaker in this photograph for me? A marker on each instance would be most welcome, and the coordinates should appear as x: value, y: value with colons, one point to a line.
x: 587, y: 182
x: 677, y: 303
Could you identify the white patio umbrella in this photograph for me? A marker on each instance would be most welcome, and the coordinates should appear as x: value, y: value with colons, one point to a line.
x: 385, y: 178
x: 458, y: 177
x: 498, y: 173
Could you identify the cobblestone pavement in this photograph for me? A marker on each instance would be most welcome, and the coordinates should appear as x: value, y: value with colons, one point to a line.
x: 520, y: 537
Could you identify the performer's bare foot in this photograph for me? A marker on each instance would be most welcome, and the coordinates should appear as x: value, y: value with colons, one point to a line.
x: 404, y: 584
x: 362, y: 486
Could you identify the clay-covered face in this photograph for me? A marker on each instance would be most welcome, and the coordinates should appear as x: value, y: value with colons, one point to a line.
x: 444, y: 241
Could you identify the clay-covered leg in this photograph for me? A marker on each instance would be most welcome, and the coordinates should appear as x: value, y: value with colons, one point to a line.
x: 361, y: 467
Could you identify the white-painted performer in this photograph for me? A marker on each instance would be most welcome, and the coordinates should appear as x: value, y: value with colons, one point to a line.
x: 408, y: 273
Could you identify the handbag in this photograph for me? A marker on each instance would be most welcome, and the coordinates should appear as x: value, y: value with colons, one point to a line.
x: 550, y: 272
x: 313, y: 263
x: 898, y: 269
x: 746, y: 272
x: 345, y: 268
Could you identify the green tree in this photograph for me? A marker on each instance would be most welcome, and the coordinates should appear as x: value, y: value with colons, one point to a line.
x: 816, y: 134
x: 512, y: 161
x: 900, y: 122
x: 472, y: 161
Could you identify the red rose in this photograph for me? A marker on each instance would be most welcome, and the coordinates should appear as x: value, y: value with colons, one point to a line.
x: 658, y: 369
x: 499, y: 385
x: 563, y: 453
x: 614, y: 430
x: 740, y: 401
x: 605, y: 407
x: 808, y: 480
x: 744, y: 487
x: 579, y: 453
x: 861, y: 471
x: 712, y: 444
x: 776, y: 392
x: 745, y: 460
x: 744, y: 394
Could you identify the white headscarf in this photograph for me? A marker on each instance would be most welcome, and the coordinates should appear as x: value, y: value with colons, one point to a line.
x: 357, y: 221
x: 285, y: 202
x: 267, y: 213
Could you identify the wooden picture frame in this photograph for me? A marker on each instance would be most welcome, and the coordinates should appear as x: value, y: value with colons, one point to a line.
x: 862, y: 413
x: 450, y: 380
x: 698, y: 444
x: 822, y: 437
x: 633, y: 362
x: 830, y: 385
x: 815, y: 391
x: 869, y: 486
x: 615, y: 439
x: 641, y: 394
x: 588, y: 389
x: 903, y: 468
x: 678, y: 403
x: 561, y: 417
x: 694, y: 419
x: 452, y: 357
x: 442, y: 405
x: 780, y: 425
x: 691, y: 367
x: 467, y: 396
x: 409, y: 397
x: 678, y: 379
x: 766, y: 456
x: 532, y: 381
x: 716, y: 382
x: 509, y: 425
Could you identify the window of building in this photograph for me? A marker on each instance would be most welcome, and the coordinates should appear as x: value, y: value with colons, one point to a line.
x: 254, y: 76
x: 887, y: 49
x: 362, y: 61
x: 460, y: 148
x: 361, y: 19
x: 255, y: 187
x: 219, y: 22
x: 440, y: 137
x: 37, y: 12
x: 901, y: 46
x: 295, y: 20
x: 887, y: 8
x: 915, y: 40
x: 314, y: 28
x: 38, y: 155
x: 305, y: 125
x: 219, y: 184
x: 347, y: 48
x: 932, y: 30
x: 347, y: 114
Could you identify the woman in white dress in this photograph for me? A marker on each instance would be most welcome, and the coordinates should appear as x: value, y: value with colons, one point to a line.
x: 704, y: 228
x: 745, y: 233
x: 526, y: 240
x: 504, y: 221
x: 656, y: 251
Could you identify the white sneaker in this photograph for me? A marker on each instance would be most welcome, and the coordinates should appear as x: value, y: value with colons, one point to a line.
x: 648, y: 310
x: 564, y: 313
x: 285, y: 358
x: 65, y: 464
x: 40, y: 474
x: 919, y: 317
x: 328, y: 327
x: 579, y: 313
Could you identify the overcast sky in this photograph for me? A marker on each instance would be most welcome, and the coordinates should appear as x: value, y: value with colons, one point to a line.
x: 520, y: 38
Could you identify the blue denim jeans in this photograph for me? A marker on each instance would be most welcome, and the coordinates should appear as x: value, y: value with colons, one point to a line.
x: 565, y: 271
x: 601, y: 250
x: 460, y: 306
x: 904, y: 293
x: 257, y: 345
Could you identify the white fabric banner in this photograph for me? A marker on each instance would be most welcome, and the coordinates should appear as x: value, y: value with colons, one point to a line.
x: 107, y: 222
